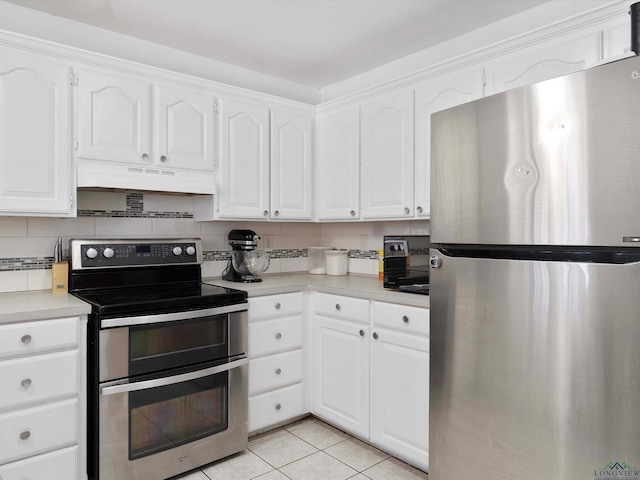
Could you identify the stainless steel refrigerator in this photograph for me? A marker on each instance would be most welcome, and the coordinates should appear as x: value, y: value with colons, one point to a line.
x: 535, y: 281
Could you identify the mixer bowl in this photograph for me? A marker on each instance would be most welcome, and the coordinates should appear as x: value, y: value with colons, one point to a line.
x: 250, y: 262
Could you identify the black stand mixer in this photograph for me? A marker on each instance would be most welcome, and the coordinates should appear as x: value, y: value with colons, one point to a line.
x: 246, y: 261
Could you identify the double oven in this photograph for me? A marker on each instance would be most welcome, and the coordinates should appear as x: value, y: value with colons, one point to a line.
x: 167, y: 359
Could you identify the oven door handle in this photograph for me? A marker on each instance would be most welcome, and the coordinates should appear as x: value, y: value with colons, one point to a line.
x: 171, y: 317
x: 162, y: 382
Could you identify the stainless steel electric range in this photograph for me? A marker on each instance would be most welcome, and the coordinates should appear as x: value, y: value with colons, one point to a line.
x: 167, y: 358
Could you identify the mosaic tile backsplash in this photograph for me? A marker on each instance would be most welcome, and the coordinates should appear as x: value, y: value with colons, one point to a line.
x: 26, y: 243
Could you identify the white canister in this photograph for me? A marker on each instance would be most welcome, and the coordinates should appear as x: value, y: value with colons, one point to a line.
x: 336, y: 262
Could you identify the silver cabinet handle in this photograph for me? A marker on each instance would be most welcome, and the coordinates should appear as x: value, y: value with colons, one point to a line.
x: 375, y: 336
x: 278, y: 336
x: 407, y: 211
x: 25, y: 435
x: 278, y: 406
x: 419, y: 209
x: 163, y: 158
x: 338, y: 307
x: 145, y: 156
x: 278, y: 371
x: 163, y: 382
x: 353, y: 213
x: 26, y: 339
x: 25, y: 383
x: 277, y: 213
x: 278, y: 306
x: 265, y: 213
x: 362, y: 333
x: 405, y: 319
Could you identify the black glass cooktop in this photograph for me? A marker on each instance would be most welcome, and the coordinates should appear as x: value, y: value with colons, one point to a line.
x: 160, y: 298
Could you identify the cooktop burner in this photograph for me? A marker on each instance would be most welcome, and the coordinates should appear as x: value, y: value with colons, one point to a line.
x: 150, y: 299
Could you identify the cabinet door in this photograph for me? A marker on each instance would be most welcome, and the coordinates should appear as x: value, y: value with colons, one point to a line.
x: 114, y: 118
x: 35, y: 139
x: 290, y: 166
x: 542, y: 62
x: 387, y: 157
x: 341, y: 374
x: 437, y: 94
x: 400, y: 395
x: 186, y: 123
x: 338, y: 166
x: 244, y: 165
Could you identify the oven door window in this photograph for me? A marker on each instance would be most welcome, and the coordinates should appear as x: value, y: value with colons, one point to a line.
x: 162, y: 418
x: 167, y: 345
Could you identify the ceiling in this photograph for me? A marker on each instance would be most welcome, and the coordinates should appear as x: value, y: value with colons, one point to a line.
x: 314, y: 43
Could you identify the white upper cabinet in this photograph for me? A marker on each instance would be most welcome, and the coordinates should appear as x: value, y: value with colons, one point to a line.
x: 114, y: 118
x: 243, y: 175
x: 290, y: 166
x: 35, y: 135
x: 387, y: 157
x: 186, y: 127
x: 544, y: 61
x: 434, y: 95
x: 338, y: 165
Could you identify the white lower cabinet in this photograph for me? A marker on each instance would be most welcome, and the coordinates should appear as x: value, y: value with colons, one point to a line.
x: 371, y: 373
x: 276, y: 361
x: 42, y: 419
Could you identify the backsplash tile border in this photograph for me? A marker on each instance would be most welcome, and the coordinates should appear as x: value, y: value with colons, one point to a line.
x: 134, y: 208
x: 44, y: 263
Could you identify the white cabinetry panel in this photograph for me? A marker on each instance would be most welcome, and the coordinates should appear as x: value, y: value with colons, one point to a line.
x: 290, y: 166
x: 387, y: 157
x: 338, y: 165
x: 42, y: 467
x: 114, y: 118
x: 35, y: 135
x: 243, y: 177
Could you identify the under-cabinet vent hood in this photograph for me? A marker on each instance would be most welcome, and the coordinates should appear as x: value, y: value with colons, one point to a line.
x: 97, y: 175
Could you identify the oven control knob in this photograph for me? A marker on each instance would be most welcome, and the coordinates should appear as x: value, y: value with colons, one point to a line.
x: 91, y: 253
x: 177, y: 251
x: 190, y: 250
x: 108, y: 252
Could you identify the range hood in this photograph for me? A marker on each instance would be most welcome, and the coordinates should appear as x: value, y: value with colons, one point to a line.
x: 126, y: 177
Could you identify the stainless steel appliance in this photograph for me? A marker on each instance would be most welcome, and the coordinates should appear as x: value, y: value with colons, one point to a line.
x: 246, y: 262
x: 167, y: 358
x: 535, y: 281
x: 406, y: 263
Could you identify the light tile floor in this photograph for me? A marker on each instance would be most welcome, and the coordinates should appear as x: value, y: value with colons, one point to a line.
x: 307, y: 450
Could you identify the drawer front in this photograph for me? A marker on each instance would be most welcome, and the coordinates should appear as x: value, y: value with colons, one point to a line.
x: 37, y: 430
x: 277, y: 406
x: 275, y: 336
x: 343, y: 308
x: 275, y: 371
x: 34, y: 337
x: 61, y: 464
x: 274, y: 306
x: 38, y: 378
x: 402, y: 318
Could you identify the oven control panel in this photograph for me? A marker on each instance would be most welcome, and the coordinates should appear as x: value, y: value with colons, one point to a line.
x: 131, y: 253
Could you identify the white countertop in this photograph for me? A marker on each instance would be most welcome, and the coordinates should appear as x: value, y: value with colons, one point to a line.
x: 38, y: 305
x: 352, y: 285
x: 42, y: 304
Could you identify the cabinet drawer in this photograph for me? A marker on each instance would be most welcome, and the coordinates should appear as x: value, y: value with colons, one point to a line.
x: 33, y: 337
x: 62, y: 464
x: 344, y: 308
x: 36, y: 430
x: 275, y: 336
x: 274, y: 306
x: 400, y: 317
x: 277, y: 406
x: 38, y: 378
x: 275, y: 371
